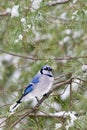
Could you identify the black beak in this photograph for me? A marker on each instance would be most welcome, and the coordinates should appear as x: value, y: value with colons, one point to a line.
x: 50, y: 69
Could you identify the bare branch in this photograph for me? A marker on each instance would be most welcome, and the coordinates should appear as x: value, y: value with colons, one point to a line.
x: 81, y: 79
x: 4, y: 13
x: 66, y: 58
x: 16, y: 55
x: 58, y: 2
x: 47, y: 115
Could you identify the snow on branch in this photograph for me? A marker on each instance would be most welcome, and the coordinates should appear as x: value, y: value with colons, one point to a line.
x: 11, y: 11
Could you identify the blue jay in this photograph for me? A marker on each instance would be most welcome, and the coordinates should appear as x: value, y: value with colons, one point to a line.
x: 39, y: 86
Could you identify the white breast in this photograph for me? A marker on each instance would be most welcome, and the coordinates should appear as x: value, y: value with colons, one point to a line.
x: 43, y: 86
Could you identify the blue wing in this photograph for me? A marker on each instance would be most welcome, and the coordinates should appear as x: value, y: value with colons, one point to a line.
x: 35, y: 79
x: 30, y: 87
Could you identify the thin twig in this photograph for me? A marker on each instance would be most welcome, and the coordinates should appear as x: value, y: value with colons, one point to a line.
x: 70, y: 104
x: 81, y: 79
x: 17, y: 55
x: 4, y: 13
x: 51, y: 3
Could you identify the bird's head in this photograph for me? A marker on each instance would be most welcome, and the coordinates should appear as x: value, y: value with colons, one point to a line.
x: 46, y: 69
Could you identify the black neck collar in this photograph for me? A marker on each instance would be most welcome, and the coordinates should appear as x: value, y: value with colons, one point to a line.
x: 49, y: 75
x: 41, y: 71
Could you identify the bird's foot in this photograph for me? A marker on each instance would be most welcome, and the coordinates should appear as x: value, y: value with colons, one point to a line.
x: 37, y: 99
x: 45, y: 95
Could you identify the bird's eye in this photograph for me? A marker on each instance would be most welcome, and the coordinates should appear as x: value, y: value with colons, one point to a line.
x: 46, y: 68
